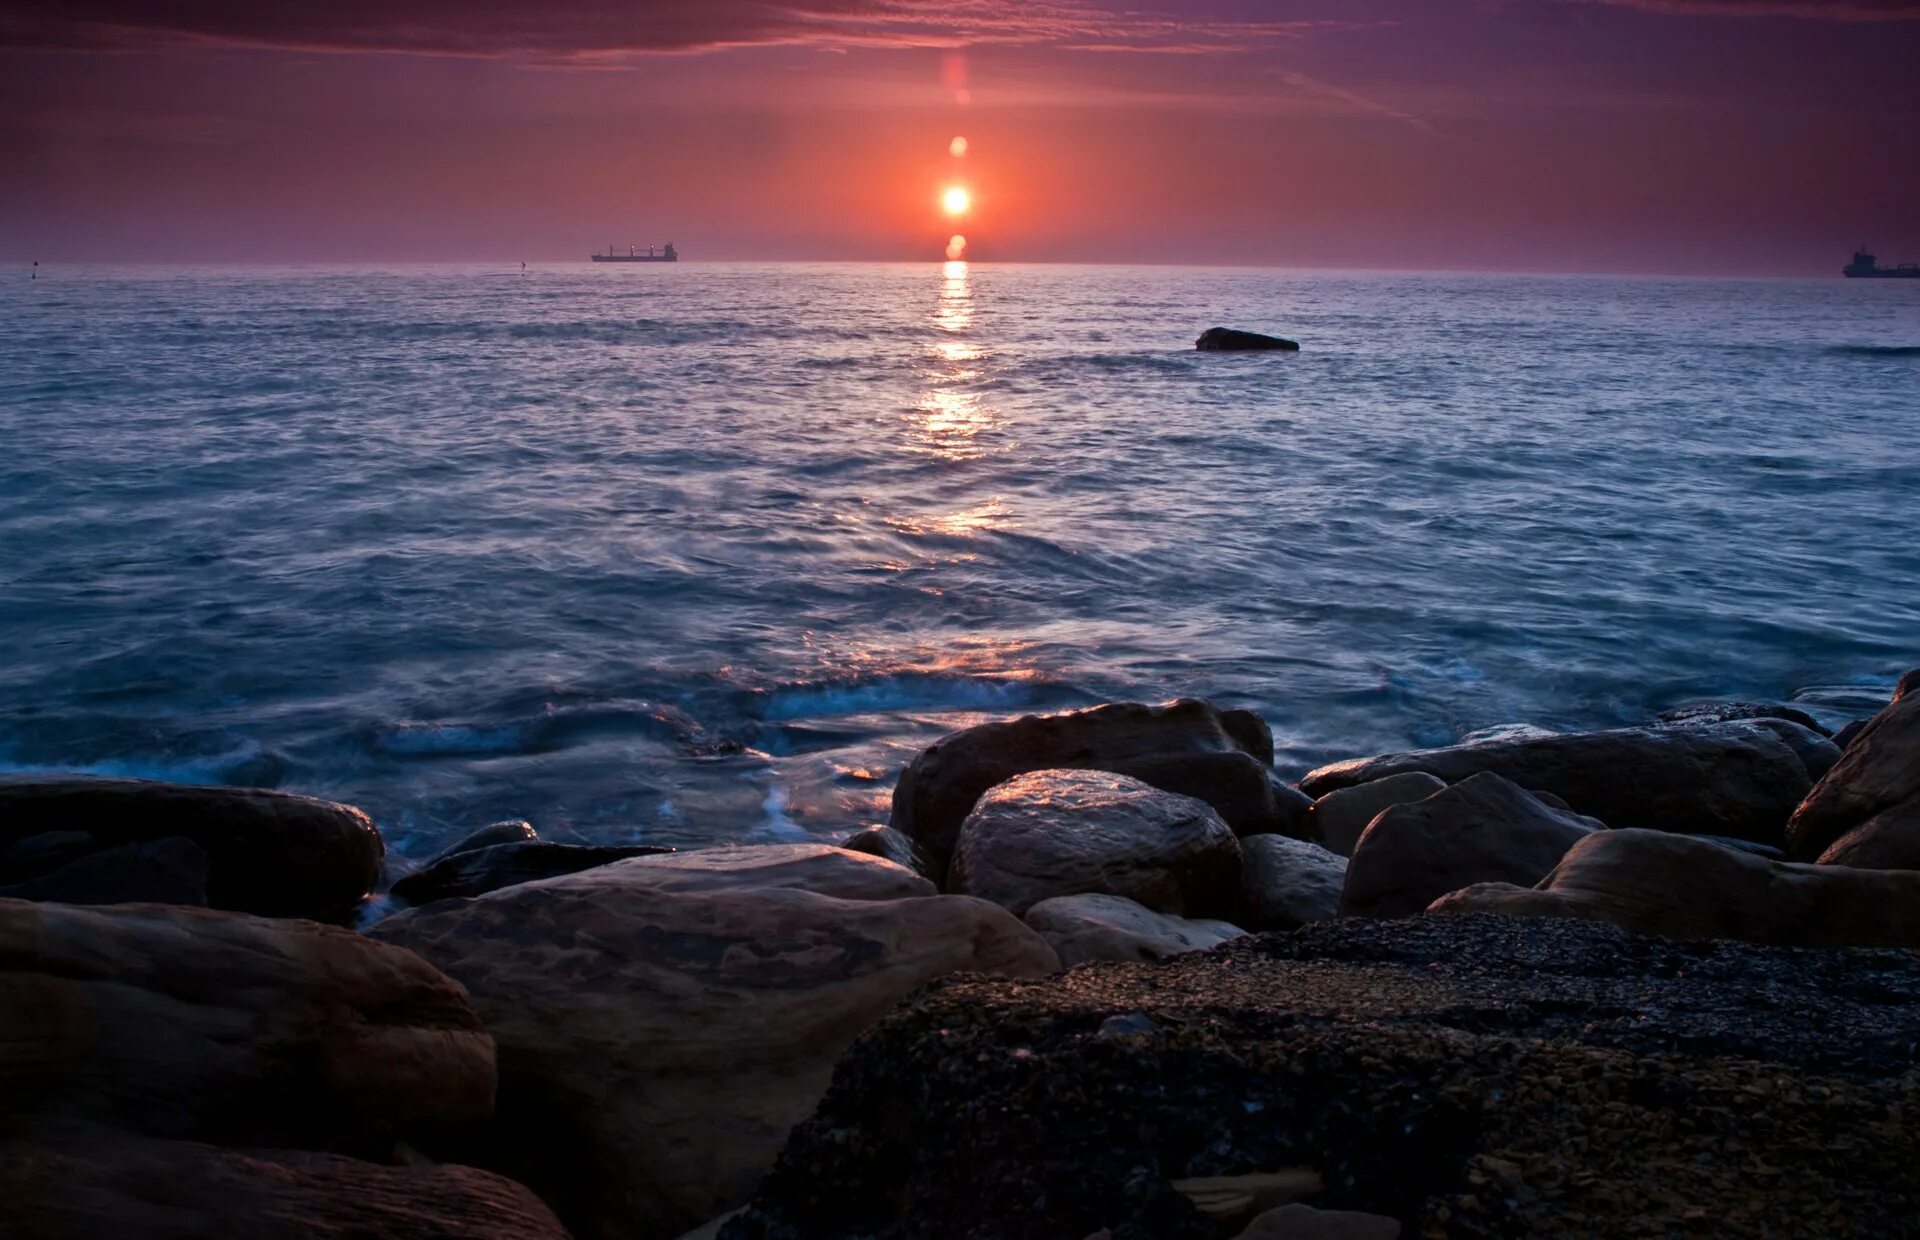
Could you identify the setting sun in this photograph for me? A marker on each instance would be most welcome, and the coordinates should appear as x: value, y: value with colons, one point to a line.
x: 956, y: 200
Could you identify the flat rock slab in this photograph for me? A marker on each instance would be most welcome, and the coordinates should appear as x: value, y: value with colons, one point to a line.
x: 269, y: 853
x: 1473, y: 1076
x: 131, y: 1189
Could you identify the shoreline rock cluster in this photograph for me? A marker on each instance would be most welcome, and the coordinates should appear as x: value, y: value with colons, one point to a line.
x: 1473, y: 990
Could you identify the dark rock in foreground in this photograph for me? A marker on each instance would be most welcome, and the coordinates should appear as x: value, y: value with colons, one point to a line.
x: 1229, y: 339
x: 169, y: 871
x: 1470, y: 1076
x: 476, y: 871
x: 131, y: 1189
x: 269, y: 853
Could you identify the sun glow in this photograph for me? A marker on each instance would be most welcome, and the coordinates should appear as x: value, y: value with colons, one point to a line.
x: 956, y: 200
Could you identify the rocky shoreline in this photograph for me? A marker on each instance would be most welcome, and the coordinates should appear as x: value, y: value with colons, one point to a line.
x: 1658, y: 980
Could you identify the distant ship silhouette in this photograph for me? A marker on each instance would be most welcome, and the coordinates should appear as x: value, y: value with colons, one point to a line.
x: 634, y: 255
x: 1866, y: 267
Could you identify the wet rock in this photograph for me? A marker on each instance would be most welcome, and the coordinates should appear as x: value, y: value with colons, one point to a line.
x: 1228, y: 339
x: 657, y: 1042
x: 134, y: 1189
x: 1727, y: 712
x: 512, y: 831
x: 1482, y: 829
x: 169, y: 871
x: 476, y: 871
x: 1063, y: 833
x: 1676, y: 886
x: 33, y: 855
x: 1303, y: 1222
x: 1472, y: 1076
x: 1287, y: 883
x: 1849, y: 732
x: 1101, y: 927
x: 1223, y: 757
x: 897, y: 847
x: 819, y: 868
x: 269, y: 853
x: 1341, y: 817
x: 1866, y: 810
x: 1741, y: 779
x: 221, y: 1027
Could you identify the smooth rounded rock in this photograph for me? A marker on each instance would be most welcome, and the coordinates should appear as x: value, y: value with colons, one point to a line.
x: 1229, y: 339
x: 1100, y: 927
x: 820, y: 868
x: 1866, y: 810
x: 1482, y: 829
x: 1342, y: 816
x: 1064, y: 833
x: 1190, y: 747
x: 657, y: 1040
x: 1287, y: 882
x: 269, y: 853
x: 473, y: 872
x: 169, y: 871
x: 1680, y: 887
x: 1297, y: 1221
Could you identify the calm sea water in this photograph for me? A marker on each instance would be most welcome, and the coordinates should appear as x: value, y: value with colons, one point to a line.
x: 700, y: 552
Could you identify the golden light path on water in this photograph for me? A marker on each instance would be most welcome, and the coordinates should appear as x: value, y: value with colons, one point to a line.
x: 951, y: 416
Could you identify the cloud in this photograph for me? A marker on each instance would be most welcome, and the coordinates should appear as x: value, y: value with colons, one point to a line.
x: 595, y: 30
x: 1822, y: 10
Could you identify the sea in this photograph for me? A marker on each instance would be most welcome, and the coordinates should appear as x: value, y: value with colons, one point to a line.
x: 699, y: 552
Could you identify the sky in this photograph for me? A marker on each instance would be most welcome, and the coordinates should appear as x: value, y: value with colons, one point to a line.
x: 1683, y: 136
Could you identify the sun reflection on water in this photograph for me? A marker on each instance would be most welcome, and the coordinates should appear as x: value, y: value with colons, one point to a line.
x: 951, y: 414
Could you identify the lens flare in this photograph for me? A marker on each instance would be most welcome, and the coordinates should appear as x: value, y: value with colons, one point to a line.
x: 956, y: 248
x: 957, y: 148
x: 956, y: 200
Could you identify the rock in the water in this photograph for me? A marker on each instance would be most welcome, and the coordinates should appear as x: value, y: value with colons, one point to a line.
x: 1228, y: 339
x: 1741, y: 779
x: 656, y: 1044
x: 1303, y: 1222
x: 1482, y: 829
x: 1866, y: 810
x: 897, y: 847
x: 1680, y: 887
x: 1726, y: 712
x: 1287, y: 882
x: 189, y: 1023
x: 267, y: 852
x: 134, y: 1189
x: 169, y: 871
x: 1100, y: 927
x: 1464, y: 1076
x: 1223, y: 757
x: 1065, y: 833
x: 476, y: 871
x: 512, y: 831
x: 1341, y: 817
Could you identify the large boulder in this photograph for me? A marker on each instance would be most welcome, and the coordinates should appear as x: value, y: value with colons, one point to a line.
x: 189, y: 1023
x: 1232, y: 339
x: 656, y: 1043
x: 897, y: 847
x: 475, y: 871
x: 269, y: 853
x: 169, y: 871
x: 1100, y: 927
x: 1342, y: 816
x: 1471, y: 1076
x: 135, y: 1189
x: 1727, y: 712
x: 1651, y: 882
x: 1741, y: 778
x: 1223, y: 757
x: 1483, y: 829
x: 1866, y: 810
x: 1064, y: 833
x: 1287, y: 883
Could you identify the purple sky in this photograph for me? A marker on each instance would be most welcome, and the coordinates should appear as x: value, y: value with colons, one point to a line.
x: 1608, y: 135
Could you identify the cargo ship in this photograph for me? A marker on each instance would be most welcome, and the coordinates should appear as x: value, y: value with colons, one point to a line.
x: 635, y: 254
x: 1866, y: 267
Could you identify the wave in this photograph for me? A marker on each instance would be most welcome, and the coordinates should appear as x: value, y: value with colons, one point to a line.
x: 245, y: 765
x: 899, y: 691
x: 1876, y: 350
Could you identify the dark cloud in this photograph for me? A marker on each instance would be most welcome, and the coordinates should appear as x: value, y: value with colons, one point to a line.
x: 592, y: 29
x: 1823, y: 10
